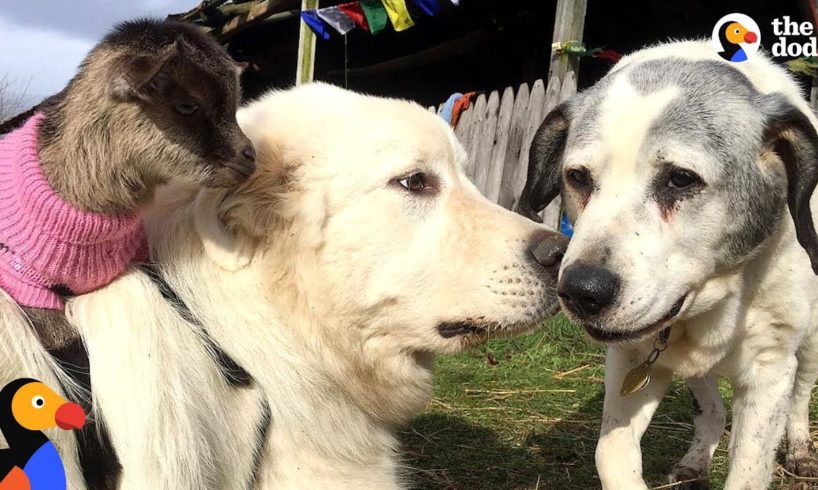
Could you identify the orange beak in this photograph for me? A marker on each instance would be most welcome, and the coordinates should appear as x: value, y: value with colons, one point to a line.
x: 70, y: 416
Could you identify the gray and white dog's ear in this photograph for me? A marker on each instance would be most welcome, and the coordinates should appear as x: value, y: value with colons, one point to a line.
x: 791, y: 134
x: 542, y: 183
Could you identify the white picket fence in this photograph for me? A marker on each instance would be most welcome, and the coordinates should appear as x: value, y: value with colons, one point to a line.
x: 497, y: 132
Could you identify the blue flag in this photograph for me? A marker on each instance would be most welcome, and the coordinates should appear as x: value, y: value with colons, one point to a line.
x: 310, y: 17
x: 429, y: 7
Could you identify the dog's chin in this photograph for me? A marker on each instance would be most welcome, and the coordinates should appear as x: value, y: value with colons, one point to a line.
x: 608, y: 336
x: 470, y: 332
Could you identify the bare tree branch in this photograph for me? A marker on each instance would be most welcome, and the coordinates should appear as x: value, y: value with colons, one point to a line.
x: 12, y: 97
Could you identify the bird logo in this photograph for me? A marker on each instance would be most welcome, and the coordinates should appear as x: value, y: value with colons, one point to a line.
x: 736, y: 37
x: 31, y: 462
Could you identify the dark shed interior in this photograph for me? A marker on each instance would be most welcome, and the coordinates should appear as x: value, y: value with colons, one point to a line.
x: 480, y: 45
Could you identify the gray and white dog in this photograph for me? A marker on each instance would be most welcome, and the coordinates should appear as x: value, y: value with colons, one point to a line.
x: 678, y: 169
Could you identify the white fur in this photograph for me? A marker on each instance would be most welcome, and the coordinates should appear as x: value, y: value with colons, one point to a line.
x: 326, y: 280
x: 754, y: 324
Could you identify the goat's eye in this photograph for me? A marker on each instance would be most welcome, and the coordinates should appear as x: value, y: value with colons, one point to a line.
x: 186, y: 108
x: 415, y: 183
x: 579, y: 177
x: 682, y: 179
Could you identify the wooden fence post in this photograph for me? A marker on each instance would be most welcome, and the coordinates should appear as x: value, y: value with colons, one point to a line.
x: 569, y: 25
x: 305, y: 70
x: 810, y: 12
x: 497, y: 130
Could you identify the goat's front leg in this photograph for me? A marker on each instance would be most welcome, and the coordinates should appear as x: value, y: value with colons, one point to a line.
x: 625, y: 419
x: 761, y: 396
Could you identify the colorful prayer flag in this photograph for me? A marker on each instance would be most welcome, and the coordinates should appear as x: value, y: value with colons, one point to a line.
x: 337, y: 19
x: 375, y: 15
x: 398, y: 14
x: 354, y: 11
x: 429, y: 7
x: 310, y: 17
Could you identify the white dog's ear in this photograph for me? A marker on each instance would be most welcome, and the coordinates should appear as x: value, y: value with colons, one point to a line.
x: 231, y: 248
x: 791, y: 134
x: 542, y: 184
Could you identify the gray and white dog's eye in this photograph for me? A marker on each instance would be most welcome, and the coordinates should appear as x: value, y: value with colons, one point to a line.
x: 682, y: 179
x: 578, y: 176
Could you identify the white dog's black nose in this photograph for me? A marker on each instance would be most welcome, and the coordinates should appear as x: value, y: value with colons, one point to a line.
x: 586, y: 289
x: 548, y: 248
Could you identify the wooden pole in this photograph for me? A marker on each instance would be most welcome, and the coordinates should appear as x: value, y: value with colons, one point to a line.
x: 569, y: 25
x: 306, y: 48
x: 810, y: 12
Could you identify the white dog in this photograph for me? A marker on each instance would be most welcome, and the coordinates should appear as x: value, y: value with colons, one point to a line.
x: 677, y: 169
x: 357, y: 251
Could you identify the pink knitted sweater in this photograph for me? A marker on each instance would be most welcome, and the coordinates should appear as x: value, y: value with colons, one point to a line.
x: 46, y: 244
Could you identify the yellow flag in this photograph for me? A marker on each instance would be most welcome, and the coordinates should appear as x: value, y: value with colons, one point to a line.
x: 398, y: 14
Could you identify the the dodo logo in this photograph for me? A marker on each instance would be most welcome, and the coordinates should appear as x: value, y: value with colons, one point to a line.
x: 31, y: 461
x: 736, y: 37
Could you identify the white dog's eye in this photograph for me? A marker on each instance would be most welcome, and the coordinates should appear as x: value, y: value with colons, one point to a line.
x: 415, y: 183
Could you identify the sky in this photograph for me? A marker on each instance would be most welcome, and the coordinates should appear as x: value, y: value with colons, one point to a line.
x: 43, y: 41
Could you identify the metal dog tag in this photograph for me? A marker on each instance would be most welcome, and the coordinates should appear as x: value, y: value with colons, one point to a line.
x: 638, y: 378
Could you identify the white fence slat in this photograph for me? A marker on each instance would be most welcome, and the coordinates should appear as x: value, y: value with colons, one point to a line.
x: 484, y: 145
x: 552, y: 96
x: 533, y: 121
x: 478, y: 120
x: 510, y: 187
x: 498, y: 152
x: 497, y: 131
x: 463, y: 127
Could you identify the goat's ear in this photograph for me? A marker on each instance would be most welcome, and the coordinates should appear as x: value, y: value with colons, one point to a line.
x: 145, y: 77
x: 227, y: 243
x: 791, y: 134
x: 542, y: 184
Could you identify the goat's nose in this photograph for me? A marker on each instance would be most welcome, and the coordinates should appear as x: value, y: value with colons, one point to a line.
x: 249, y: 153
x: 548, y: 248
x: 587, y: 289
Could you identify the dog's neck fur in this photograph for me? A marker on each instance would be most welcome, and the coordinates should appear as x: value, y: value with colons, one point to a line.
x: 337, y: 385
x: 94, y: 152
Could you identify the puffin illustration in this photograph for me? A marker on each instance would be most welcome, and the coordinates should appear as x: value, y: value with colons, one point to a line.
x: 731, y: 35
x: 31, y: 461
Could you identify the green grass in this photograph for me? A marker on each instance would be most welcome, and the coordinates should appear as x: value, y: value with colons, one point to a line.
x: 506, y: 416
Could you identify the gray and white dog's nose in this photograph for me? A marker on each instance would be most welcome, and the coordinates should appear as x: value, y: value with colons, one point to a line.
x: 586, y: 289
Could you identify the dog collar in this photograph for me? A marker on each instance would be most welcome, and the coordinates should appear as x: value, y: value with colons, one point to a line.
x: 231, y: 370
x: 638, y: 378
